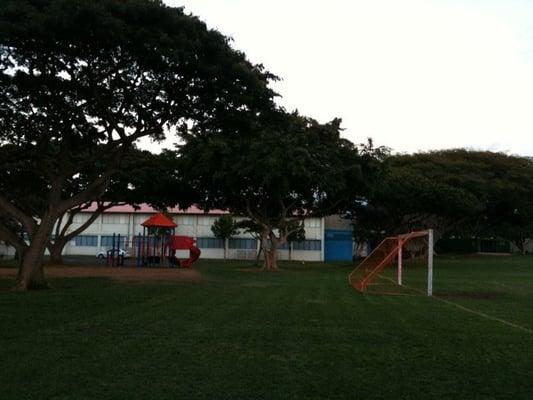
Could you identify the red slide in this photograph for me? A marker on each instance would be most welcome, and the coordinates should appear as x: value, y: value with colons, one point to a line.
x: 194, y: 255
x: 185, y: 243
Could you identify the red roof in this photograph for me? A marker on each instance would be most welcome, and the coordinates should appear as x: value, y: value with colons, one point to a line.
x: 159, y: 221
x: 146, y: 209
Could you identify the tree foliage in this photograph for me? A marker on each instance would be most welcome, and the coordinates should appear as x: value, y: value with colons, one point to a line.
x: 225, y: 227
x: 281, y: 170
x: 460, y: 192
x: 81, y: 81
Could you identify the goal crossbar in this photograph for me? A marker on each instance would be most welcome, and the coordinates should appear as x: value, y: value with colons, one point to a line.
x: 384, y: 254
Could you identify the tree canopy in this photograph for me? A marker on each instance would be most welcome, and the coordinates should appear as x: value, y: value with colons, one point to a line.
x: 459, y: 192
x: 284, y: 169
x: 81, y: 81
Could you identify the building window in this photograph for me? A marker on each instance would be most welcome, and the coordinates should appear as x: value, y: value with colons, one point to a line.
x: 250, y: 244
x: 210, y: 243
x: 145, y: 241
x: 310, y: 245
x: 185, y: 220
x: 113, y: 219
x: 107, y: 241
x: 205, y: 220
x: 86, y: 240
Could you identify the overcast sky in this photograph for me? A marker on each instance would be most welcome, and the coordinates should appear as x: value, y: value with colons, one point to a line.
x: 413, y: 75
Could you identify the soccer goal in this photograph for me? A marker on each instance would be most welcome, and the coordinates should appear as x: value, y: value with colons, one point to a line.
x: 411, y: 251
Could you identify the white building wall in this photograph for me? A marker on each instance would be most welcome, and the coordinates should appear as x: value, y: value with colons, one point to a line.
x: 306, y: 255
x: 212, y: 253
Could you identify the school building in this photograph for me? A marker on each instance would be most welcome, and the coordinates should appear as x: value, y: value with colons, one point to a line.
x: 326, y: 238
x: 126, y: 221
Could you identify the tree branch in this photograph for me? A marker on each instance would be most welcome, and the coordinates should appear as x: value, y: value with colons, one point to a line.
x: 100, y: 209
x: 96, y: 188
x: 11, y: 237
x: 27, y: 222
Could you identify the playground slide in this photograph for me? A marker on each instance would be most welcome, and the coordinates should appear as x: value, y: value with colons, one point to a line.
x: 194, y: 255
x: 185, y: 243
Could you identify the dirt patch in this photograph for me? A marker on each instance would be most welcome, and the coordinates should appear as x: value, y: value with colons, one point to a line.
x: 120, y: 274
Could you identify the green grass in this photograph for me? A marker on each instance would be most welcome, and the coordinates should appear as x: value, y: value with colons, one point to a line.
x: 302, y: 333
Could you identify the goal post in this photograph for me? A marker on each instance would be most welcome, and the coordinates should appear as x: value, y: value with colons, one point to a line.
x: 404, y: 239
x: 400, y: 261
x: 430, y: 262
x: 371, y: 274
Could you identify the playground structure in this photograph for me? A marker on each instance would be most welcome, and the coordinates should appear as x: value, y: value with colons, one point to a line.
x: 389, y: 250
x: 156, y: 246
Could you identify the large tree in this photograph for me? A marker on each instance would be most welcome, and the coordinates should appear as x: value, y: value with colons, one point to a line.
x: 82, y: 80
x: 460, y: 192
x: 283, y: 169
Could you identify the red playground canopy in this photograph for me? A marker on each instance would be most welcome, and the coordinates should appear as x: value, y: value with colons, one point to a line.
x: 159, y: 220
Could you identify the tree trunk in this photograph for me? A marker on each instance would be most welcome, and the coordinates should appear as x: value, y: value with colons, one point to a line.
x: 225, y: 249
x: 30, y: 274
x: 521, y: 244
x: 258, y: 256
x: 271, y: 258
x: 265, y: 260
x: 265, y: 248
x: 290, y: 251
x: 56, y: 252
x: 360, y: 249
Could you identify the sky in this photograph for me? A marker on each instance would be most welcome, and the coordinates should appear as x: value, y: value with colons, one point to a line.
x: 412, y: 75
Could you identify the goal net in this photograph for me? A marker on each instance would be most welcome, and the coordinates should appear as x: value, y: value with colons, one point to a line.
x: 400, y: 264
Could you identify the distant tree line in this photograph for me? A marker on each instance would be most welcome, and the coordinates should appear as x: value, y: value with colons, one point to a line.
x: 458, y: 192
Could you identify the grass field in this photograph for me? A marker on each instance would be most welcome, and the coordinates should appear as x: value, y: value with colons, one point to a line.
x: 302, y: 333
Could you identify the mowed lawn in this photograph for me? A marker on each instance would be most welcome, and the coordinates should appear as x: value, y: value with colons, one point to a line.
x: 302, y: 333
